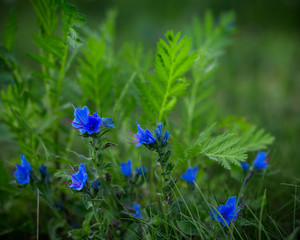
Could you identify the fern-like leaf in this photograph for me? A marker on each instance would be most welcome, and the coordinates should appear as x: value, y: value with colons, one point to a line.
x: 172, y: 61
x: 225, y: 148
x: 253, y: 139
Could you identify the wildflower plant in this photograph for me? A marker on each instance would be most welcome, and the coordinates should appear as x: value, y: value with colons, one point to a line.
x: 91, y: 189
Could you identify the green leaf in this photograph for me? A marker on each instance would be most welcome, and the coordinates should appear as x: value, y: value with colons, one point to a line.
x: 82, y: 157
x: 225, y: 148
x: 43, y: 61
x: 46, y: 15
x: 86, y: 223
x: 172, y: 61
x: 51, y: 44
x: 254, y: 140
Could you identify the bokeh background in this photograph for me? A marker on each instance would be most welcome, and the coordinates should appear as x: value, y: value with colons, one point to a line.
x: 258, y: 77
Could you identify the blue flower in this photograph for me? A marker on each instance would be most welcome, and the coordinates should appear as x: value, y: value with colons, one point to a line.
x: 158, y: 130
x: 137, y: 209
x: 79, y: 179
x: 126, y: 168
x: 244, y: 166
x: 228, y: 212
x: 44, y: 173
x: 108, y: 122
x: 140, y: 171
x: 142, y: 136
x: 43, y: 170
x: 85, y: 122
x: 22, y: 174
x: 96, y: 184
x: 260, y: 161
x: 158, y: 133
x: 165, y: 138
x: 190, y: 175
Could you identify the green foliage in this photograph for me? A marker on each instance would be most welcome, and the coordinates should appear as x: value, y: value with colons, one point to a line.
x: 210, y: 40
x: 179, y: 88
x: 252, y: 138
x: 96, y: 68
x: 172, y: 61
x: 225, y: 148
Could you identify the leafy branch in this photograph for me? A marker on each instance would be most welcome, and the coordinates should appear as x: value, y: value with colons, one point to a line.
x: 172, y: 61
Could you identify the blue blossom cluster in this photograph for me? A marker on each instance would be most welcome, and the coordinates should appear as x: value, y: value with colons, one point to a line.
x: 227, y: 213
x: 260, y: 162
x: 24, y: 172
x: 80, y: 180
x: 145, y: 137
x: 126, y: 169
x: 90, y: 124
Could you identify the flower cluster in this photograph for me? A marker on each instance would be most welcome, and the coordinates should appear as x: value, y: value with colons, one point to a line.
x: 90, y: 124
x: 260, y: 162
x: 145, y: 137
x: 24, y: 172
x: 126, y: 169
x: 226, y: 213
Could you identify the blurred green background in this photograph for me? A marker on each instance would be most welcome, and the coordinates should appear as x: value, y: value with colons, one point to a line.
x: 258, y: 78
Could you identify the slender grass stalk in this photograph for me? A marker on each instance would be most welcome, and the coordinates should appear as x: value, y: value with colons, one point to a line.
x: 37, y: 214
x: 261, y: 213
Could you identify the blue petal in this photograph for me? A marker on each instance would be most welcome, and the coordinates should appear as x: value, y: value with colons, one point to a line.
x: 188, y: 176
x: 140, y: 171
x: 138, y: 213
x: 25, y: 163
x: 81, y: 115
x: 166, y: 136
x: 93, y: 125
x: 158, y: 130
x: 126, y: 168
x: 22, y: 174
x: 149, y: 137
x: 244, y: 166
x: 81, y: 118
x: 95, y: 114
x: 260, y: 161
x: 108, y: 122
x: 231, y: 201
x: 79, y: 179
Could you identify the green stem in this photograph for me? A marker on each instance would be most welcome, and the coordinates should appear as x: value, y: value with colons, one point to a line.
x: 57, y: 101
x: 95, y: 213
